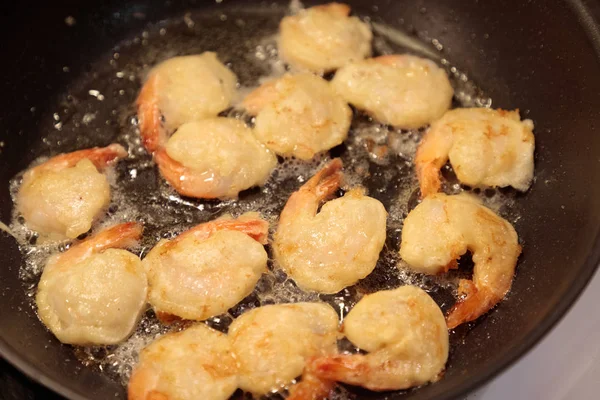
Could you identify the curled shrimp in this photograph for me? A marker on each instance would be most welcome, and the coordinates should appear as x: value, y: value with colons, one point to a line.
x: 334, y: 248
x: 272, y: 343
x: 404, y: 332
x: 214, y: 158
x: 94, y: 293
x: 323, y: 38
x: 179, y: 90
x: 63, y: 196
x: 441, y: 229
x: 197, y: 363
x: 208, y: 269
x: 400, y: 90
x: 299, y: 115
x: 485, y: 148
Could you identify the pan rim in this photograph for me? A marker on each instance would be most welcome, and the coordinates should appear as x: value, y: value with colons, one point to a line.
x: 588, y: 14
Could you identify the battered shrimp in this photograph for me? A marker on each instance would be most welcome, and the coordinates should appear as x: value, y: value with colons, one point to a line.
x: 404, y: 332
x: 335, y: 248
x: 324, y: 38
x: 400, y: 90
x: 485, y: 148
x: 214, y: 158
x: 180, y: 90
x: 273, y: 343
x: 196, y: 363
x: 63, y: 196
x: 441, y: 229
x: 299, y: 115
x: 207, y: 270
x: 94, y: 294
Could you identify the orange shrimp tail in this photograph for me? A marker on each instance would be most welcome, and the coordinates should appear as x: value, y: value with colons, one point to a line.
x: 153, y: 133
x: 118, y: 236
x: 337, y: 9
x: 101, y: 157
x: 351, y: 369
x: 311, y: 388
x: 260, y: 97
x: 327, y: 180
x: 256, y: 228
x: 429, y: 179
x: 476, y: 302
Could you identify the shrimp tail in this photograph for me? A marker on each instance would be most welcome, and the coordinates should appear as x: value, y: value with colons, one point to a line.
x: 257, y: 99
x: 101, y: 157
x: 352, y: 369
x: 256, y: 228
x: 475, y: 302
x: 311, y: 388
x: 152, y: 132
x: 118, y: 236
x: 327, y: 180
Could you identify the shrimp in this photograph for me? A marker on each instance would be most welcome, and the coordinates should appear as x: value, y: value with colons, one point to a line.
x: 323, y: 38
x: 272, y: 343
x: 404, y: 332
x: 208, y: 269
x: 63, y: 196
x: 197, y: 363
x: 214, y: 158
x: 441, y: 229
x: 299, y: 115
x: 485, y: 148
x: 94, y: 293
x: 332, y: 249
x: 400, y: 90
x: 179, y: 90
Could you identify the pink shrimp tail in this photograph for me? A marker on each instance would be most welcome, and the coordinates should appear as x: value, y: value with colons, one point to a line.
x: 311, y: 388
x: 429, y: 178
x: 256, y: 228
x: 476, y: 302
x: 345, y: 368
x: 101, y: 157
x: 325, y: 182
x: 153, y: 134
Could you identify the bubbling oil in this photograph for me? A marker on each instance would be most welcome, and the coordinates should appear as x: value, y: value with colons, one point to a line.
x: 97, y: 109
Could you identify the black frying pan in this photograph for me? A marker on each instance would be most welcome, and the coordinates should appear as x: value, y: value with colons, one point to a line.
x: 541, y: 56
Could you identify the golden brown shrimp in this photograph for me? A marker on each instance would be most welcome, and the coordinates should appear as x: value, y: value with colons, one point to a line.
x: 404, y: 332
x: 401, y: 90
x: 182, y: 89
x: 332, y: 249
x: 214, y: 158
x: 64, y: 195
x: 208, y: 269
x: 272, y: 343
x: 441, y: 229
x: 299, y: 115
x: 195, y: 364
x: 323, y: 38
x: 485, y: 148
x: 94, y: 294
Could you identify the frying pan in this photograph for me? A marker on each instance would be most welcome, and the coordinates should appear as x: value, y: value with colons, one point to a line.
x: 541, y: 56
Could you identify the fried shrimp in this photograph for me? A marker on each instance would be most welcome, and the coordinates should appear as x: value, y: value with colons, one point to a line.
x: 273, y: 343
x: 299, y: 115
x: 214, y: 158
x: 62, y: 197
x: 94, y: 293
x: 400, y: 90
x: 196, y: 363
x: 208, y: 269
x: 324, y: 38
x: 179, y: 90
x: 441, y: 229
x: 404, y: 332
x: 485, y: 148
x: 334, y: 248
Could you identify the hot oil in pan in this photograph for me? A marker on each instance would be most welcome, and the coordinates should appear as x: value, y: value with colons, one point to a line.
x: 97, y: 109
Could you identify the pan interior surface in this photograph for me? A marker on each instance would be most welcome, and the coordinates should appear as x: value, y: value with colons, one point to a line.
x: 59, y: 108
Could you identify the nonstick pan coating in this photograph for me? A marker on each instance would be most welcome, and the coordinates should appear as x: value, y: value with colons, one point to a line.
x: 539, y: 56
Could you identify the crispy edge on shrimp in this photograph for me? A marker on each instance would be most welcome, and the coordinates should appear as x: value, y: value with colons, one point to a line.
x: 152, y: 131
x: 119, y: 236
x: 101, y: 157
